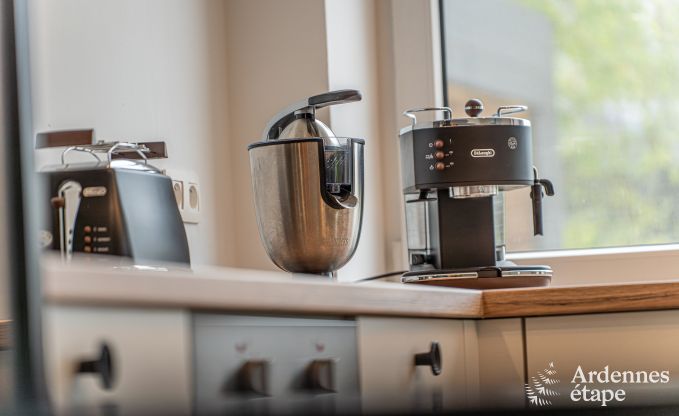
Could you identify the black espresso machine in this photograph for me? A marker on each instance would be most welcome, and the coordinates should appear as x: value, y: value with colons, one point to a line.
x: 453, y: 173
x: 117, y: 204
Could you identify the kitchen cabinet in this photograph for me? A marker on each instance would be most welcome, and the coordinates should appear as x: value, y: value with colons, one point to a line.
x: 5, y: 380
x: 390, y: 380
x: 150, y: 360
x: 499, y: 343
x: 275, y: 365
x: 633, y: 341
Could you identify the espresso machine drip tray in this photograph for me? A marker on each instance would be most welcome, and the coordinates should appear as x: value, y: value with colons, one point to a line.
x: 504, y: 277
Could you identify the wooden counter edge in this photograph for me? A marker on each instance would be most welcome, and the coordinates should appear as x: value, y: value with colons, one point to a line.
x: 275, y: 296
x: 570, y: 300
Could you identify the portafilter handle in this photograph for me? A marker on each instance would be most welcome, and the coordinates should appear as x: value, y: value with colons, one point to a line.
x: 311, y: 104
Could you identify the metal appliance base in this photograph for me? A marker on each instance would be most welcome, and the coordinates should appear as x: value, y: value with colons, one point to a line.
x: 504, y: 277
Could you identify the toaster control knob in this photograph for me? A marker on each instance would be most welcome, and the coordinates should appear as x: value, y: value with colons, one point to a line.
x: 438, y: 143
x: 432, y: 358
x: 440, y: 166
x: 102, y: 365
x: 253, y: 377
x: 320, y: 376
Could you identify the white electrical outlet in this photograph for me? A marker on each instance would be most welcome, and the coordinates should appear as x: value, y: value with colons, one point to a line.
x: 178, y: 189
x: 186, y: 189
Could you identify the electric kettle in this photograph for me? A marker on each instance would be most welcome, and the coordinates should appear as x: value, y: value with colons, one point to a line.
x: 308, y: 188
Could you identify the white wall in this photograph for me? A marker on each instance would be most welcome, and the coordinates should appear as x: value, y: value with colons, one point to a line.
x: 5, y: 114
x: 206, y: 76
x: 280, y: 52
x: 276, y: 53
x: 142, y: 69
x: 353, y: 63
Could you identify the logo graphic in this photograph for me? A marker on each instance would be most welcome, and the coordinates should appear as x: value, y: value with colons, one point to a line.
x: 483, y: 153
x: 540, y: 390
x: 512, y: 143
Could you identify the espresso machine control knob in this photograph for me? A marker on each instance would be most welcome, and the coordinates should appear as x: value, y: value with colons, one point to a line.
x: 438, y: 143
x: 473, y: 107
x: 440, y: 166
x: 439, y: 155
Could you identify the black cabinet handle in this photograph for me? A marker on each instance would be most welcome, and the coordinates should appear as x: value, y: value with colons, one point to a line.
x: 320, y: 376
x: 103, y: 365
x: 432, y: 358
x: 253, y: 377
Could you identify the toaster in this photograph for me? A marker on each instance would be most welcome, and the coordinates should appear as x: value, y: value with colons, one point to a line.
x: 118, y: 204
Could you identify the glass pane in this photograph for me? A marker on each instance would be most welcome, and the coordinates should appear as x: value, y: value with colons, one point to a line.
x: 601, y: 79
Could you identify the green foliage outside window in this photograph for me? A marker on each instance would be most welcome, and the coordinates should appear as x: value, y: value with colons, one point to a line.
x: 617, y: 103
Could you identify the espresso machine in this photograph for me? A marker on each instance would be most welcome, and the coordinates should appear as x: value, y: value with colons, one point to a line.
x: 308, y: 188
x: 454, y: 172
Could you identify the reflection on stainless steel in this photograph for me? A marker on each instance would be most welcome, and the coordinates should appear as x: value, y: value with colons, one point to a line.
x: 510, y: 109
x: 304, y: 228
x: 410, y: 113
x: 69, y: 203
x: 524, y: 273
x: 469, y: 121
x: 475, y: 191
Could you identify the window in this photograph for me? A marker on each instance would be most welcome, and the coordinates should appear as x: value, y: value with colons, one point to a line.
x: 601, y: 80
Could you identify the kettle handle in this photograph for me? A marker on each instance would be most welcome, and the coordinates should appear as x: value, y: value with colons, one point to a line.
x: 309, y: 104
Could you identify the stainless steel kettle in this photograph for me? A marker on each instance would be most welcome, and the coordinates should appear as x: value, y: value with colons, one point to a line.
x: 308, y: 188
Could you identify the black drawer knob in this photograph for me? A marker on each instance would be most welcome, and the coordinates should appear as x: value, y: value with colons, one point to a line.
x: 431, y: 358
x: 103, y: 365
x: 253, y: 377
x: 320, y: 376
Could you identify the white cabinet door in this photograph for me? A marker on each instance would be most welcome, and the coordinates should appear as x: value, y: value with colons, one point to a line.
x: 150, y: 358
x: 501, y: 364
x: 643, y: 342
x: 390, y: 380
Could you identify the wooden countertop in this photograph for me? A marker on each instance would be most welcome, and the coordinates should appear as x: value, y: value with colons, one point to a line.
x: 569, y: 300
x: 243, y: 290
x: 231, y: 289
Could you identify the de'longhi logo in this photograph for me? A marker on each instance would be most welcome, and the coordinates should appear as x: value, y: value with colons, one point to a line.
x: 540, y: 389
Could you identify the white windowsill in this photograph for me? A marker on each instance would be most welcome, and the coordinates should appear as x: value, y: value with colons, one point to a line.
x: 610, y: 252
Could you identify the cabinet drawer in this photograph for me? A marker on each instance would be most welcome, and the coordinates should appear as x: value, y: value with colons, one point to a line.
x: 639, y: 341
x: 259, y: 364
x: 390, y: 380
x: 150, y: 356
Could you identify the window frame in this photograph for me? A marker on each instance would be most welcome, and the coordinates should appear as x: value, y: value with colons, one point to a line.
x: 419, y: 25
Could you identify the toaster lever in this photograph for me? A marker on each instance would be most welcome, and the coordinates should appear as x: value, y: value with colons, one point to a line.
x: 67, y: 203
